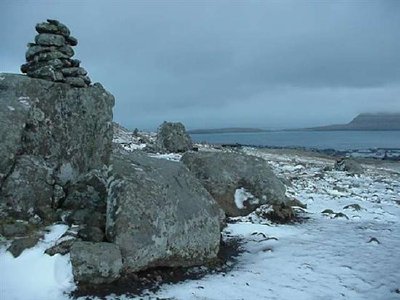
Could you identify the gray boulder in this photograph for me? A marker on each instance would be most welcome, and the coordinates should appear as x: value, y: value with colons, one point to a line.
x: 348, y: 165
x: 159, y: 214
x: 95, y: 263
x: 239, y: 183
x: 172, y: 137
x: 51, y: 135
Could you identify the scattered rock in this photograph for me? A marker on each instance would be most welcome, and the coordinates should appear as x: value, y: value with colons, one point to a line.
x: 340, y: 215
x: 348, y: 165
x: 374, y: 240
x: 239, y: 183
x: 172, y: 137
x: 19, y: 245
x: 61, y: 248
x: 328, y: 211
x: 355, y: 206
x: 163, y: 210
x: 95, y: 263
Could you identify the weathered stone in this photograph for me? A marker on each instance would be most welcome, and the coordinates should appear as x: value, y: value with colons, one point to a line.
x: 72, y: 41
x: 172, y: 137
x: 15, y: 229
x: 46, y: 72
x: 74, y: 71
x: 75, y: 82
x: 86, y: 79
x: 49, y: 126
x: 27, y: 190
x: 19, y: 245
x: 239, y: 183
x: 48, y: 56
x: 36, y: 49
x: 62, y: 248
x: 46, y: 28
x: 53, y: 26
x: 91, y: 234
x: 33, y: 66
x: 348, y: 165
x: 95, y: 263
x: 89, y: 191
x: 75, y: 62
x: 159, y: 214
x: 67, y: 50
x: 49, y: 39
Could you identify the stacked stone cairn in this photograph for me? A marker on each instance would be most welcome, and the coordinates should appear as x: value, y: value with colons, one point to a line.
x: 50, y: 57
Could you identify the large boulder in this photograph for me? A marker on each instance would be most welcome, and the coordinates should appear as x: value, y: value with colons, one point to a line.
x: 159, y: 214
x: 172, y: 137
x: 57, y: 131
x: 239, y: 183
x: 95, y: 263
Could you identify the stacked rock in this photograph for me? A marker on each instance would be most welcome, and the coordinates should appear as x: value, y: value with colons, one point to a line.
x: 50, y: 57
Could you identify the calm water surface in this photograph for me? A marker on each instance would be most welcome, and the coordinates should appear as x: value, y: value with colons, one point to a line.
x: 338, y: 140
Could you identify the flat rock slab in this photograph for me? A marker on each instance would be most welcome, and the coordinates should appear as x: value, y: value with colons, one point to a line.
x: 159, y: 214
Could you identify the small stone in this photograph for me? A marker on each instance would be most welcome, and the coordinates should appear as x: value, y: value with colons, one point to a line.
x: 61, y: 248
x: 91, y: 234
x: 46, y: 28
x: 49, y: 39
x: 72, y: 41
x: 15, y: 229
x: 46, y: 72
x: 46, y: 56
x: 95, y: 263
x: 34, y: 50
x: 25, y: 67
x: 67, y: 50
x: 75, y: 62
x: 74, y: 71
x: 32, y: 66
x: 86, y: 79
x: 19, y: 245
x: 75, y: 82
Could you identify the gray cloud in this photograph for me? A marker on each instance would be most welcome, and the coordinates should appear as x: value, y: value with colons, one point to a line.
x: 213, y: 63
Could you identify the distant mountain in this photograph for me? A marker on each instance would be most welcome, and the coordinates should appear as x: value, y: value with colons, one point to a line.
x: 368, y: 122
x: 224, y: 130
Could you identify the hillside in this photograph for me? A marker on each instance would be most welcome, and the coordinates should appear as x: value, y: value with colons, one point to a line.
x: 367, y: 121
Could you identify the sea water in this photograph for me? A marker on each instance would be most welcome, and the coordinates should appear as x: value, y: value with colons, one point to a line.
x: 337, y: 140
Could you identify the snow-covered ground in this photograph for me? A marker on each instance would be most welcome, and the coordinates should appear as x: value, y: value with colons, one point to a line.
x: 349, y: 252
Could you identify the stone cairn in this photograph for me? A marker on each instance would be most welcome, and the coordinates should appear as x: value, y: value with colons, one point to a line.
x: 50, y: 57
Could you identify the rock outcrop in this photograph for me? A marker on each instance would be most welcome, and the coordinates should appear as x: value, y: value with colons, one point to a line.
x: 239, y: 183
x: 50, y: 56
x: 159, y: 214
x: 51, y: 135
x: 172, y: 137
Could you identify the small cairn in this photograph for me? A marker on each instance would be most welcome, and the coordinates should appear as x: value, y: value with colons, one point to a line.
x: 50, y: 57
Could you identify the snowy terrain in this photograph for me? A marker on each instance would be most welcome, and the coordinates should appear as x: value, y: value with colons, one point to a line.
x: 349, y: 252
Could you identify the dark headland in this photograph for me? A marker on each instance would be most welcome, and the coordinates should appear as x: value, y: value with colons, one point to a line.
x: 366, y: 122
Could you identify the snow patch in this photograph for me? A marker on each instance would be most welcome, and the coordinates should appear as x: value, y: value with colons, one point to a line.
x: 10, y: 108
x: 241, y: 195
x: 34, y: 274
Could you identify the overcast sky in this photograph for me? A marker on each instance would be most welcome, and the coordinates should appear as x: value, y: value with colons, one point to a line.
x: 208, y: 64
